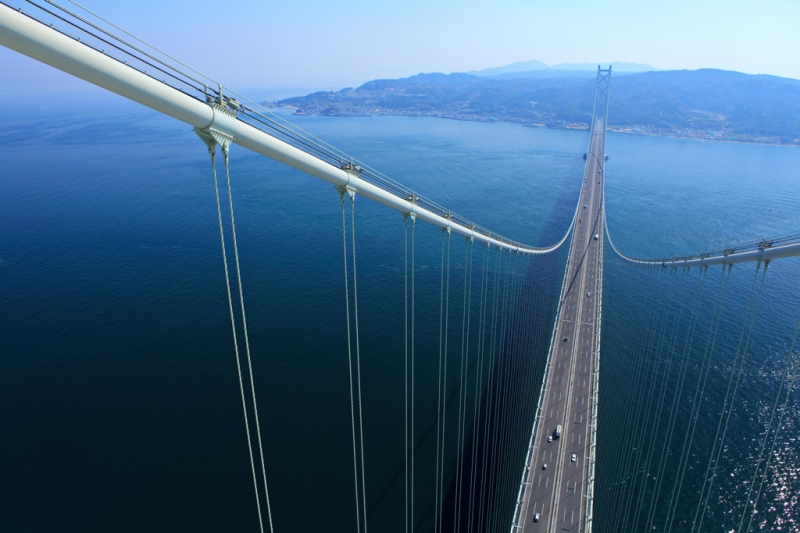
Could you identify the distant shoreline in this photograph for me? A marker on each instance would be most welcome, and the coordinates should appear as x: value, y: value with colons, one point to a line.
x: 570, y: 127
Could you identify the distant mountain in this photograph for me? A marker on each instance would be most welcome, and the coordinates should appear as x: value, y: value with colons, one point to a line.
x: 519, y: 66
x: 528, y: 67
x: 713, y: 104
x: 618, y: 66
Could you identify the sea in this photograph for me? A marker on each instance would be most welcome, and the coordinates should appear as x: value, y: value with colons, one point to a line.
x: 120, y: 406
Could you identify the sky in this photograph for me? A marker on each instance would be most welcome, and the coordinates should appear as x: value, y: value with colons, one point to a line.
x: 281, y: 48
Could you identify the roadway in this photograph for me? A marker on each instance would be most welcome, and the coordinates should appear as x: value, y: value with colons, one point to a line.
x: 559, y: 491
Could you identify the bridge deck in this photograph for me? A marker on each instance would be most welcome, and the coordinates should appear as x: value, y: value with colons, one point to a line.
x: 559, y: 492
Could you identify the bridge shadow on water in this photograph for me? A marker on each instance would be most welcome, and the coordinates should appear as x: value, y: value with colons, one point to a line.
x: 484, y: 496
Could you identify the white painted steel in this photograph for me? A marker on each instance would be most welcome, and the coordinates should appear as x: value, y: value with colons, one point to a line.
x: 33, y: 39
x: 760, y: 254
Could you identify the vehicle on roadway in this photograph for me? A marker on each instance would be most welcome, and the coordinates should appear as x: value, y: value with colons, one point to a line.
x: 549, y: 438
x: 596, y: 236
x: 588, y: 294
x: 566, y: 339
x: 558, y: 431
x: 573, y: 458
x: 585, y: 205
x: 544, y: 466
x: 536, y: 517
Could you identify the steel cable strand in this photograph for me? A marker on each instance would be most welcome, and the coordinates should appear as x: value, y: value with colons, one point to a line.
x: 735, y: 388
x: 515, y: 373
x: 478, y: 382
x: 659, y: 383
x: 444, y: 380
x: 485, y: 385
x: 499, y: 400
x: 511, y: 392
x: 257, y: 112
x: 652, y: 376
x: 437, y: 507
x: 109, y: 43
x: 212, y: 152
x: 350, y: 363
x: 405, y: 336
x: 246, y: 337
x: 622, y: 388
x: 693, y: 315
x: 506, y: 412
x: 488, y: 419
x: 413, y: 358
x: 711, y: 471
x: 526, y: 352
x: 524, y: 330
x: 536, y: 377
x: 525, y: 366
x: 463, y: 378
x: 539, y: 334
x: 766, y: 435
x: 534, y: 298
x: 358, y: 358
x: 612, y: 431
x: 671, y: 354
x: 620, y: 461
x: 461, y: 388
x: 657, y: 347
x: 646, y: 333
x: 716, y: 318
x: 500, y: 434
x: 777, y: 429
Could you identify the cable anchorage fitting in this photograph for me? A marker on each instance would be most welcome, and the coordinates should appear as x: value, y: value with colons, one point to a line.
x: 222, y: 129
x: 349, y: 166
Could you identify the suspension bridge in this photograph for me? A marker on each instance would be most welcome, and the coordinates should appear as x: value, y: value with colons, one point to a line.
x: 546, y: 426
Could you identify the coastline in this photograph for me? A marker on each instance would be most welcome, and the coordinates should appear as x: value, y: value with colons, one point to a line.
x: 571, y: 126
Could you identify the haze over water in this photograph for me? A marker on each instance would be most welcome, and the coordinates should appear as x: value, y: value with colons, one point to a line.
x: 118, y: 388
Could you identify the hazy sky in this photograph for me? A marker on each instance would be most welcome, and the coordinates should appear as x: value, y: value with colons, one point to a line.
x: 300, y: 45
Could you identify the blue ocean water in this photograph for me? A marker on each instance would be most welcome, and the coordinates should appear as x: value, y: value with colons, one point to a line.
x: 119, y: 397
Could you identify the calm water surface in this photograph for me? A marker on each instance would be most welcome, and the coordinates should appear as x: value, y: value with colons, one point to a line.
x: 119, y: 397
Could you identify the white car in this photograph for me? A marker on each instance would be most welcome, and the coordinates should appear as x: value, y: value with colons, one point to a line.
x: 596, y: 236
x: 536, y: 517
x: 549, y: 438
x: 574, y: 458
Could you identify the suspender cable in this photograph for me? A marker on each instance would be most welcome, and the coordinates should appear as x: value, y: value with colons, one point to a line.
x: 462, y: 400
x: 766, y: 435
x: 358, y: 356
x: 212, y: 152
x: 405, y: 336
x: 478, y: 382
x: 443, y: 409
x: 780, y: 423
x: 710, y: 479
x: 694, y: 312
x: 350, y: 364
x: 246, y: 338
x: 484, y: 503
x: 413, y: 322
x: 436, y: 509
x: 694, y: 416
